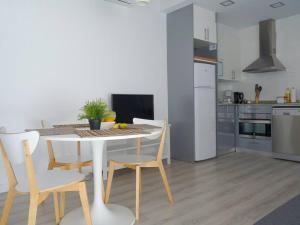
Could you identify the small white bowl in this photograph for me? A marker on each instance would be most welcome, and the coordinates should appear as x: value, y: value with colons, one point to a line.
x: 107, y: 125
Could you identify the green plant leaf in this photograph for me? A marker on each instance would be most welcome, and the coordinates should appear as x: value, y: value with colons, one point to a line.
x: 96, y: 109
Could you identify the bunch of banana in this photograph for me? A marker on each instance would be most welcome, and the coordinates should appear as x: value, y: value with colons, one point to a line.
x: 120, y: 126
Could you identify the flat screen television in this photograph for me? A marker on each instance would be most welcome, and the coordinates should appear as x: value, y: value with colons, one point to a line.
x: 128, y: 107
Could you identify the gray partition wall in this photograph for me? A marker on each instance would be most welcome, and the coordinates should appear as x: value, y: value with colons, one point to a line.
x: 181, y: 83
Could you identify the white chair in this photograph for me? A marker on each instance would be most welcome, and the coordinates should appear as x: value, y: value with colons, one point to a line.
x: 139, y: 161
x: 157, y: 123
x: 16, y: 150
x: 67, y: 163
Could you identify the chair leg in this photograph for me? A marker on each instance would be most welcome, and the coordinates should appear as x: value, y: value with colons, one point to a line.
x: 56, y: 208
x: 165, y: 181
x: 34, y: 199
x: 11, y: 195
x: 138, y: 192
x: 141, y: 180
x: 62, y: 205
x: 109, y: 181
x: 78, y: 155
x: 85, y: 203
x: 51, y: 166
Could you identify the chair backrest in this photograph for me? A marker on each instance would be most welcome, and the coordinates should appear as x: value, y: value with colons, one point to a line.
x: 13, y: 145
x: 16, y: 150
x: 159, y: 123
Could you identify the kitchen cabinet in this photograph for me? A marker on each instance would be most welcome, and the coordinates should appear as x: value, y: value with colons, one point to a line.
x: 226, y: 128
x: 205, y: 27
x: 254, y: 123
x: 262, y: 146
x: 183, y: 54
x: 228, y: 125
x: 229, y: 65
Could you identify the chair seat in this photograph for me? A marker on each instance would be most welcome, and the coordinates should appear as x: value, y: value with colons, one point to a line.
x: 51, y: 179
x: 133, y: 158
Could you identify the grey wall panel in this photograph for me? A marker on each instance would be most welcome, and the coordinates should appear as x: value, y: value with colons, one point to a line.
x: 180, y: 83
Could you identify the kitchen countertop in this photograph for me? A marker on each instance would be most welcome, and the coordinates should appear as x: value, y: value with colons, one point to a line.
x: 288, y: 104
x: 273, y: 103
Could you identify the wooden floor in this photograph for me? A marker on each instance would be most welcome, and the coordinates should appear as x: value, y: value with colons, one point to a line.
x: 235, y: 189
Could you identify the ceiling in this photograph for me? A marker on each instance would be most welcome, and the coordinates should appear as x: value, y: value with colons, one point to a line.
x: 243, y: 13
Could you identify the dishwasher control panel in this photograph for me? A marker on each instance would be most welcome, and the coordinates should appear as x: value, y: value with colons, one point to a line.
x: 286, y: 111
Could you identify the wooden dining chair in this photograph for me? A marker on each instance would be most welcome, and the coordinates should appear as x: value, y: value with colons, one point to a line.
x: 16, y: 150
x: 67, y: 164
x: 139, y: 161
x: 70, y: 164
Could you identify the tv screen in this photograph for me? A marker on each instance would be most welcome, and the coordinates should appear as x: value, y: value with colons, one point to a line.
x: 128, y: 107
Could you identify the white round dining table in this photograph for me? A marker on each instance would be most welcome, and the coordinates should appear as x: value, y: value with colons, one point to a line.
x: 102, y: 214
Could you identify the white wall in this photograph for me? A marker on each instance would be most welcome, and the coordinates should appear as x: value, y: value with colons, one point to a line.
x: 288, y: 51
x: 56, y: 54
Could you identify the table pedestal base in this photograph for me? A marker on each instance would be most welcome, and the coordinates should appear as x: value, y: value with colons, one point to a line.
x: 110, y: 215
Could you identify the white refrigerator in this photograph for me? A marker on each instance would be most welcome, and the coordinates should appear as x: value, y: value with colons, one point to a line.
x: 205, y: 111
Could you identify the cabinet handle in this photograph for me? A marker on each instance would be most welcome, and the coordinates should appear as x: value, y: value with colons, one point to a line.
x: 233, y: 75
x: 220, y: 69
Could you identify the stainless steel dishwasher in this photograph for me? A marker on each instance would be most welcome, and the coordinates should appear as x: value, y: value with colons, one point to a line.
x: 286, y: 132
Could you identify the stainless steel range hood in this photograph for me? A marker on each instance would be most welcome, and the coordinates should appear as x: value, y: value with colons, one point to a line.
x: 267, y: 61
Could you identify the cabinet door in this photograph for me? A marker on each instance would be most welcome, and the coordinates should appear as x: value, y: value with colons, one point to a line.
x: 220, y: 70
x: 205, y: 123
x: 205, y: 25
x: 199, y: 24
x: 229, y: 52
x: 226, y: 129
x: 212, y: 32
x: 255, y: 144
x: 204, y: 75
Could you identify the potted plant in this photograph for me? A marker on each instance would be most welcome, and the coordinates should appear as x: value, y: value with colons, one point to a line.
x: 94, y: 111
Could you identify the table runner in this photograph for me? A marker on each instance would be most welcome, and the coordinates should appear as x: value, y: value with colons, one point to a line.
x: 75, y: 125
x: 131, y: 126
x: 109, y: 132
x: 54, y: 131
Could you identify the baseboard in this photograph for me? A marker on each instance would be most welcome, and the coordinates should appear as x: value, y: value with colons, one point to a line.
x: 251, y: 151
x: 295, y: 158
x: 3, y: 188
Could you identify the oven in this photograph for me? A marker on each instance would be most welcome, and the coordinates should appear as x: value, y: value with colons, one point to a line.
x: 255, y: 125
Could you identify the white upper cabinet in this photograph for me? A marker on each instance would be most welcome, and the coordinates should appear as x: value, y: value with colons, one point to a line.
x: 229, y: 66
x: 205, y: 27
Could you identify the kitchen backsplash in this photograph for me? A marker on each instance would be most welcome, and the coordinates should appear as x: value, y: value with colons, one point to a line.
x: 273, y: 85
